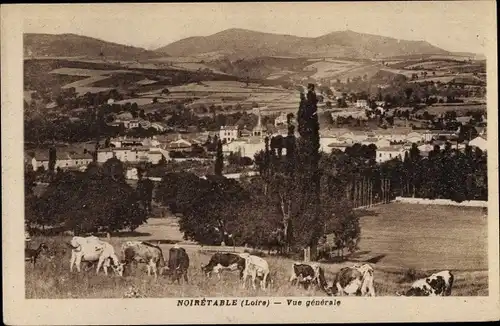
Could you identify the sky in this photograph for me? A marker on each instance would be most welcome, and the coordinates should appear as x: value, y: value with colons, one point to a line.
x: 454, y: 26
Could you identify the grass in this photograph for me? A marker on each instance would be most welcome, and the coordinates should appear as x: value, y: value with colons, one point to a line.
x: 410, y: 241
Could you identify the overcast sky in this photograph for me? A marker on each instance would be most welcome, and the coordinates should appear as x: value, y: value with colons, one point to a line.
x: 453, y: 26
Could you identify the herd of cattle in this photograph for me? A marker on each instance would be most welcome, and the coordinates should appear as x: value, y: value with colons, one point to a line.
x: 353, y: 280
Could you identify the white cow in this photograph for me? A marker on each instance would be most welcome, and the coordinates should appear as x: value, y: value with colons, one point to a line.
x: 354, y: 280
x: 91, y: 249
x: 255, y: 267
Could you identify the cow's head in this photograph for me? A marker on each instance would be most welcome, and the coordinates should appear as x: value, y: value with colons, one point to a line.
x: 206, y: 270
x: 75, y: 243
x: 118, y: 268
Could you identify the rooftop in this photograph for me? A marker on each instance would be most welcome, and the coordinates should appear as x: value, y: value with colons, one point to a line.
x: 229, y: 128
x: 390, y: 149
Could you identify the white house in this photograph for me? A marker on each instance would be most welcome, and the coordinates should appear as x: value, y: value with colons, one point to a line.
x: 246, y: 147
x: 130, y: 155
x: 180, y: 145
x: 228, y: 133
x: 479, y: 142
x: 64, y: 160
x: 388, y: 153
x: 125, y: 141
x: 281, y: 120
x: 131, y: 124
x: 393, y: 134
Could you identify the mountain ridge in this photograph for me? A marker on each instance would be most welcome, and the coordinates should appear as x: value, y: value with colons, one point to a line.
x: 244, y: 42
x: 73, y: 45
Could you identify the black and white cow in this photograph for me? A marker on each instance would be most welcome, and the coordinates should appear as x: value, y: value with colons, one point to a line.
x: 355, y: 280
x: 143, y: 252
x: 437, y: 284
x: 307, y: 274
x: 224, y: 261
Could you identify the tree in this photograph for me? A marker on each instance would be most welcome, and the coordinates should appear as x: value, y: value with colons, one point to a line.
x: 52, y: 159
x: 309, y: 173
x: 219, y: 159
x: 89, y: 202
x: 145, y: 189
x: 209, y: 207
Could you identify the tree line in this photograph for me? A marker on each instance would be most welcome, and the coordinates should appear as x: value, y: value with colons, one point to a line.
x: 96, y: 200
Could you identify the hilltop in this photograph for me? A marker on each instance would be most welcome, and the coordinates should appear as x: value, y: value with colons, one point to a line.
x: 246, y: 43
x: 72, y: 45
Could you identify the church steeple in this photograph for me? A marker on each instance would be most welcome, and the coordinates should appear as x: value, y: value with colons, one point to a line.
x: 259, y: 121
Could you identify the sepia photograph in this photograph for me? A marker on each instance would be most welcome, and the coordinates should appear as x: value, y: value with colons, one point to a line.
x: 237, y: 159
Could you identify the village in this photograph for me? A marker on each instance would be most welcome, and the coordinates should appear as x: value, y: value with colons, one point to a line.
x: 390, y: 142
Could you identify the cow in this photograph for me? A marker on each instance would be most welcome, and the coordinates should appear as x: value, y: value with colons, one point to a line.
x: 91, y: 249
x: 178, y: 263
x: 306, y: 274
x: 224, y: 261
x: 255, y: 267
x: 355, y: 280
x: 437, y: 284
x: 144, y: 252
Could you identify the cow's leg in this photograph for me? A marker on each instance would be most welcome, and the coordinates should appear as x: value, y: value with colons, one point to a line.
x: 217, y: 270
x: 72, y: 261
x: 99, y: 264
x: 152, y: 265
x: 371, y: 290
x: 264, y: 281
x: 244, y: 280
x: 340, y: 291
x: 293, y: 279
x: 186, y: 276
x: 254, y: 276
x: 78, y: 262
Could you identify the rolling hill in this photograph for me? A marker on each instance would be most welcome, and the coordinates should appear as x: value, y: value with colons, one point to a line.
x: 246, y: 43
x: 72, y: 45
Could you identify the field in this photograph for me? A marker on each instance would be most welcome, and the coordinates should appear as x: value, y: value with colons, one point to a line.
x: 397, y: 237
x: 459, y: 108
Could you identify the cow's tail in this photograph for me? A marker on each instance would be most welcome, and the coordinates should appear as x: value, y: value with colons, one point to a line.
x: 448, y: 288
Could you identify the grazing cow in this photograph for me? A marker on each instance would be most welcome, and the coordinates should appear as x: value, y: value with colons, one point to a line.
x: 255, y: 267
x: 32, y: 254
x: 91, y: 249
x: 306, y: 274
x: 178, y: 263
x: 224, y: 261
x: 438, y: 284
x: 355, y: 280
x: 144, y: 252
